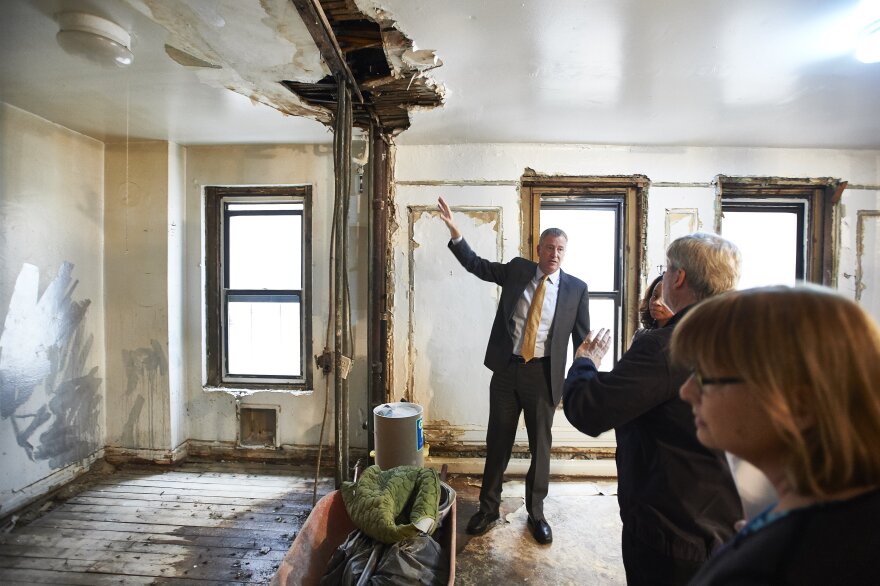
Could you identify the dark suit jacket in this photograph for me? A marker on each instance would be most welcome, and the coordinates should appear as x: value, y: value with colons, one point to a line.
x: 675, y: 494
x: 572, y: 317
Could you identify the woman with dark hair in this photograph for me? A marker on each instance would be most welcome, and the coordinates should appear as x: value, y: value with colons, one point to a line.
x: 653, y: 313
x: 788, y: 379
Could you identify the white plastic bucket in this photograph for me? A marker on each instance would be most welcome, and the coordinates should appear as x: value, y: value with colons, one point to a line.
x: 398, y: 435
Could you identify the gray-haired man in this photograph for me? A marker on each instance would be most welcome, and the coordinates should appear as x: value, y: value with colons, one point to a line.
x: 677, y: 498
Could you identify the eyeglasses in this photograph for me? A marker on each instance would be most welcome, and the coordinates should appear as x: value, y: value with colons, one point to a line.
x: 703, y: 382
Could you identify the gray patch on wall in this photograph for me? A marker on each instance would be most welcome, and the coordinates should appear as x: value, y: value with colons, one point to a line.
x: 47, y: 391
x: 144, y: 366
x: 145, y: 369
x: 129, y: 437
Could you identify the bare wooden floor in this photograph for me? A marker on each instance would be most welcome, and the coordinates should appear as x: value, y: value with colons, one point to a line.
x: 231, y: 523
x: 198, y: 523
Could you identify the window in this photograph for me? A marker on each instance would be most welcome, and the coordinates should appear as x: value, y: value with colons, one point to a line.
x: 782, y: 227
x: 594, y: 255
x: 601, y: 217
x: 257, y: 287
x: 770, y: 237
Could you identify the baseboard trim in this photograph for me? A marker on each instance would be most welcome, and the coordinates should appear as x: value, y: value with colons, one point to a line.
x: 606, y: 468
x: 24, y: 496
x: 118, y: 455
x: 289, y: 453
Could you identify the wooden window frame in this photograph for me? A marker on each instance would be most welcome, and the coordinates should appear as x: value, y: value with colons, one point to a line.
x: 633, y: 190
x: 821, y: 197
x: 215, y: 251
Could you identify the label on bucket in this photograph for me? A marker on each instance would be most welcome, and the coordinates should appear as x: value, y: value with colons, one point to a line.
x: 420, y: 437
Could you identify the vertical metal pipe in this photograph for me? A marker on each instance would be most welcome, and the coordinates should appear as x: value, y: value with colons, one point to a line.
x: 341, y: 158
x: 378, y: 246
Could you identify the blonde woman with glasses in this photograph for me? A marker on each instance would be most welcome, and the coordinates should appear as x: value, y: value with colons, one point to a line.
x: 788, y: 379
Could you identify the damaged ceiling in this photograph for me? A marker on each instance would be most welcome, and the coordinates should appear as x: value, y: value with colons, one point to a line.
x: 276, y: 53
x: 388, y: 72
x: 634, y: 72
x: 245, y: 46
x: 213, y: 71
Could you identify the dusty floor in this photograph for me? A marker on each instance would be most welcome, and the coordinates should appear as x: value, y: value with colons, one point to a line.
x: 586, y: 537
x: 231, y: 523
x: 190, y: 524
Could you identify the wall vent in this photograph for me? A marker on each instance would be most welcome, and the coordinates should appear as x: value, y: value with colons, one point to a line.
x: 258, y: 427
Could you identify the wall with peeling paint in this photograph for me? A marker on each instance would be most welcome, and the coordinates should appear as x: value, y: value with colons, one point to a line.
x: 442, y: 315
x: 212, y: 415
x: 52, y: 363
x: 859, y: 263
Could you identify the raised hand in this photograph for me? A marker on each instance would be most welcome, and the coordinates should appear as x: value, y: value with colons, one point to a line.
x: 446, y: 216
x: 596, y: 347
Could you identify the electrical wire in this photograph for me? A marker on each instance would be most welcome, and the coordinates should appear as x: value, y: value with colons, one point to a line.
x: 331, y: 290
x: 339, y: 216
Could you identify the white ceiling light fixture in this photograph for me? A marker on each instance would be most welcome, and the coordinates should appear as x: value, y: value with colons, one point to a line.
x: 868, y: 45
x: 95, y: 38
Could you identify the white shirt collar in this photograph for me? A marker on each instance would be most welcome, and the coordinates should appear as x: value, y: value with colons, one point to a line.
x: 552, y: 277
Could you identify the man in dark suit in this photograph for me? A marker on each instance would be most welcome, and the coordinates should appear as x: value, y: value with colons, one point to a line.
x: 540, y: 308
x: 677, y: 498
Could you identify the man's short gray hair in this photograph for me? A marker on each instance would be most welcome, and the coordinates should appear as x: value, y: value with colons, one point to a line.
x: 710, y: 263
x: 558, y: 232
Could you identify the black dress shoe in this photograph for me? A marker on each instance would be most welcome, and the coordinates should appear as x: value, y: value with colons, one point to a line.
x: 481, y: 522
x: 540, y: 531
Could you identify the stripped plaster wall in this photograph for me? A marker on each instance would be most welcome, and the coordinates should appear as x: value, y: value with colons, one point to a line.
x: 137, y: 285
x: 52, y: 363
x: 859, y: 274
x: 435, y: 337
x: 212, y: 414
x: 445, y: 371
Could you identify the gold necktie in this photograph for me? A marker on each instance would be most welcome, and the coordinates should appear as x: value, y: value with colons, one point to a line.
x: 532, y: 320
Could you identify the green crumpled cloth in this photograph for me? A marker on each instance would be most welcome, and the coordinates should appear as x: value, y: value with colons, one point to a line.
x: 395, y: 504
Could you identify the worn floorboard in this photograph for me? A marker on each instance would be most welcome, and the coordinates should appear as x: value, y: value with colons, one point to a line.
x: 198, y: 523
x: 231, y: 523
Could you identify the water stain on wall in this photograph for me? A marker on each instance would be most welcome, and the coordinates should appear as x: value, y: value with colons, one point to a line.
x: 47, y: 391
x: 146, y: 369
x: 129, y: 437
x: 143, y: 366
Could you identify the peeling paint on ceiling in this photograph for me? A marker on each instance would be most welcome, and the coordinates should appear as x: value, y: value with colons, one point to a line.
x: 246, y: 46
x: 261, y: 49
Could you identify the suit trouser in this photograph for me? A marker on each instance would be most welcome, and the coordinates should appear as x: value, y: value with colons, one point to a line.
x: 519, y: 388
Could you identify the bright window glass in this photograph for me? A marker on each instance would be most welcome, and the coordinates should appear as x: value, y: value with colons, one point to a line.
x: 601, y: 316
x: 263, y: 338
x: 592, y: 248
x: 264, y: 252
x: 769, y: 245
x: 591, y: 256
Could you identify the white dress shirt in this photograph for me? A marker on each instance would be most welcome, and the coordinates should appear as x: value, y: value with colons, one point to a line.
x: 548, y: 310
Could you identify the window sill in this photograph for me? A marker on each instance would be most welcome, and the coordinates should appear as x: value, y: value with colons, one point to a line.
x: 247, y: 391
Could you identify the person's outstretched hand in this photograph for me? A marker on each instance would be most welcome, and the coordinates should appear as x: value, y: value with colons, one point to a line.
x: 595, y: 348
x: 446, y: 216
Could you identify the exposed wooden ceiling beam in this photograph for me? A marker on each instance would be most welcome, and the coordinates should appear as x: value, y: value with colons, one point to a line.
x: 319, y: 27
